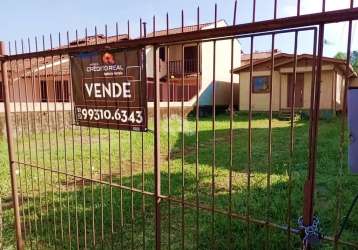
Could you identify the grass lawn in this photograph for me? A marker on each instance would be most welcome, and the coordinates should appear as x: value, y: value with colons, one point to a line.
x: 97, y: 216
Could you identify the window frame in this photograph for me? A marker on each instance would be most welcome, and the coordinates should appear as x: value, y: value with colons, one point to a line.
x: 194, y: 58
x: 43, y: 91
x: 63, y: 95
x: 162, y: 53
x: 261, y: 91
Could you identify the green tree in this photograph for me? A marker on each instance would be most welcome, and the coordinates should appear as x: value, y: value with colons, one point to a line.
x: 354, y: 58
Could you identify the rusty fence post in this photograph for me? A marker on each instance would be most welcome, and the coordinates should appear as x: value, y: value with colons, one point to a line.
x: 157, y: 146
x: 309, y: 187
x: 15, y: 199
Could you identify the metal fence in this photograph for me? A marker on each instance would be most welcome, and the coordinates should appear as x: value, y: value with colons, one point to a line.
x: 1, y: 227
x: 190, y: 182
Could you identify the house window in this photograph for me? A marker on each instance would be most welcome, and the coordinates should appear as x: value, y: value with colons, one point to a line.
x: 162, y: 53
x: 2, y: 92
x: 61, y: 90
x: 261, y: 84
x: 44, y: 96
x: 190, y: 59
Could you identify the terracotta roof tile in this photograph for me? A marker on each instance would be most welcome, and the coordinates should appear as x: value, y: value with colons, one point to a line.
x: 245, y: 58
x: 91, y: 40
x: 178, y: 30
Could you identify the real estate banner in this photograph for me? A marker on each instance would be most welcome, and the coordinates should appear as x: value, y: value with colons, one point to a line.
x: 109, y: 89
x: 353, y: 129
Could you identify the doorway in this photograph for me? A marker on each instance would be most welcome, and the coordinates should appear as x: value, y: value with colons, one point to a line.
x: 299, y: 87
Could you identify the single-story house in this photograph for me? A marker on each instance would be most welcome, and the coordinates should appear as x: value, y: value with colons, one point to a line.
x: 332, y: 86
x: 43, y: 83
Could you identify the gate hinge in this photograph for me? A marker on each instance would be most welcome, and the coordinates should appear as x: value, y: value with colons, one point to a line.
x: 311, y: 235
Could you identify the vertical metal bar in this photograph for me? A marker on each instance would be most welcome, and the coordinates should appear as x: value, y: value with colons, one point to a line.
x: 182, y: 139
x: 253, y: 11
x: 131, y: 171
x: 269, y: 168
x: 157, y: 149
x: 49, y: 143
x: 73, y: 144
x: 275, y: 10
x: 56, y: 140
x: 121, y: 190
x: 83, y: 182
x: 42, y: 140
x: 312, y: 101
x: 14, y: 191
x: 231, y: 147
x: 17, y: 133
x: 313, y: 83
x: 29, y: 144
x: 65, y: 142
x: 342, y: 132
x: 249, y: 145
x: 168, y: 128
x: 23, y: 75
x: 36, y: 149
x: 117, y: 38
x: 292, y: 138
x: 213, y: 167
x: 69, y: 93
x: 144, y: 76
x: 156, y: 143
x: 128, y: 30
x: 269, y: 158
x: 100, y: 163
x: 23, y: 148
x: 1, y: 227
x: 93, y: 219
x: 248, y: 198
x: 100, y: 171
x: 197, y: 131
x: 310, y: 182
x: 110, y: 162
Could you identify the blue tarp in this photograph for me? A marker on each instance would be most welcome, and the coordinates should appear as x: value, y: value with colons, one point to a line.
x: 353, y: 128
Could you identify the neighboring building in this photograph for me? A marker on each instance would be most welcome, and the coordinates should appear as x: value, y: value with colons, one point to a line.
x: 43, y: 84
x: 198, y: 58
x: 332, y: 86
x: 44, y: 87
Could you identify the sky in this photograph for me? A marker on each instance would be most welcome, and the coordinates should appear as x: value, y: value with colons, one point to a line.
x: 25, y: 19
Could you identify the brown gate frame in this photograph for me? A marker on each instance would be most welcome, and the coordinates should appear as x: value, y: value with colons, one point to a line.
x: 249, y: 29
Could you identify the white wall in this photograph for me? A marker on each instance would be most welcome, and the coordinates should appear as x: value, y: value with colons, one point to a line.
x: 149, y: 50
x: 222, y: 69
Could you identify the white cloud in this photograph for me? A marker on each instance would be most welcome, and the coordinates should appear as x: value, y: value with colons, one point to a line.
x: 336, y: 34
x: 314, y: 6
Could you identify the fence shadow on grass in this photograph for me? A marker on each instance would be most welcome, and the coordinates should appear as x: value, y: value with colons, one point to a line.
x: 240, y: 146
x: 262, y: 202
x: 137, y: 218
